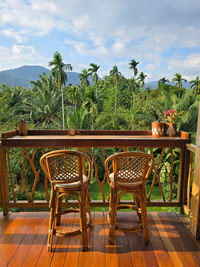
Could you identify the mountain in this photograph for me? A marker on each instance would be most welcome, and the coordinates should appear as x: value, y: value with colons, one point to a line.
x: 23, y: 75
x: 154, y: 84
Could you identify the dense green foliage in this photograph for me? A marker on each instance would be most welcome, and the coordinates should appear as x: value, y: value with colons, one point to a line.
x: 114, y: 102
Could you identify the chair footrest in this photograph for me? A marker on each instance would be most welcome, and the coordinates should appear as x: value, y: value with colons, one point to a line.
x: 61, y: 233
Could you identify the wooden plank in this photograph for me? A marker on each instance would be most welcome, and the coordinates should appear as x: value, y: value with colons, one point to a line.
x: 29, y: 236
x: 181, y: 177
x: 135, y: 243
x: 74, y: 246
x: 24, y: 236
x: 158, y: 245
x: 13, y: 236
x: 191, y: 147
x: 9, y: 134
x: 89, y: 132
x: 186, y: 244
x: 93, y: 203
x: 5, y: 221
x: 39, y: 242
x: 111, y: 250
x: 99, y: 240
x: 195, y: 202
x: 142, y: 254
x: 187, y: 168
x: 61, y: 248
x: 176, y: 234
x: 164, y: 232
x: 4, y: 199
x: 123, y: 249
x: 85, y: 257
x: 93, y: 141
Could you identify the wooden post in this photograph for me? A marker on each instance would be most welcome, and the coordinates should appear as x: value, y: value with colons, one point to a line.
x: 1, y: 186
x: 3, y: 181
x: 195, y: 204
x: 181, y: 179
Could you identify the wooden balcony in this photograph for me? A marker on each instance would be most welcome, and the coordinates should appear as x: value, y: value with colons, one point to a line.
x: 24, y: 235
x: 23, y: 238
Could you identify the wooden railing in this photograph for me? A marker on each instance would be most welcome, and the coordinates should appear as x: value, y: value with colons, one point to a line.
x: 190, y: 154
x: 168, y: 162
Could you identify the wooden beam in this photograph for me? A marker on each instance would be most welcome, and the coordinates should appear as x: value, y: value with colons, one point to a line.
x: 4, y: 199
x: 195, y: 204
x: 93, y: 203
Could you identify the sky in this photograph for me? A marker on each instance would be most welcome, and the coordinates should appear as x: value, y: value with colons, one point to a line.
x: 162, y: 35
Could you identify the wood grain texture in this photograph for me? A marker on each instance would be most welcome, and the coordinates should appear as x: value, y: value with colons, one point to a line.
x: 23, y: 239
x: 195, y: 203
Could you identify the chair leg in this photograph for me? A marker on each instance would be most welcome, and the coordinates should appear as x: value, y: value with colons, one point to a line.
x: 51, y: 222
x: 112, y: 215
x: 58, y: 209
x: 83, y: 220
x: 138, y: 208
x: 88, y: 206
x: 144, y: 217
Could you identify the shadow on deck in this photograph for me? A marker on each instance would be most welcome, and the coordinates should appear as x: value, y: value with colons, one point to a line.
x: 23, y: 238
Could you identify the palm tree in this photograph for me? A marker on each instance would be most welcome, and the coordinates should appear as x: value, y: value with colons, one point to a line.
x: 179, y: 80
x: 195, y: 84
x: 58, y: 71
x: 115, y: 74
x: 133, y: 65
x: 83, y: 76
x: 141, y: 78
x: 74, y: 96
x: 93, y: 71
x: 90, y: 104
x: 162, y: 81
x: 43, y: 103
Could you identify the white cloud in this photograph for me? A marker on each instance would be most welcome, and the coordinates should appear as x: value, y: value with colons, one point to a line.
x: 110, y: 30
x: 13, y: 34
x: 18, y: 55
x: 189, y: 66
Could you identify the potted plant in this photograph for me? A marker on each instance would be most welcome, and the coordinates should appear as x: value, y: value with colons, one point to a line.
x: 171, y: 116
x: 158, y: 128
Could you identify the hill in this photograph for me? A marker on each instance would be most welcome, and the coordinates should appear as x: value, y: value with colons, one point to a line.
x: 23, y: 75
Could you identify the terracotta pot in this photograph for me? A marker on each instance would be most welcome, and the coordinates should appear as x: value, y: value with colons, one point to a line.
x: 158, y: 128
x: 171, y: 129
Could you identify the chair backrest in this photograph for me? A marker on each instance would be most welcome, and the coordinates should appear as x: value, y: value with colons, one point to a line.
x: 128, y: 167
x: 65, y: 166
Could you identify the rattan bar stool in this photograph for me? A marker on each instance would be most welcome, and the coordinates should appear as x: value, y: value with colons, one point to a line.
x: 126, y: 173
x: 64, y: 168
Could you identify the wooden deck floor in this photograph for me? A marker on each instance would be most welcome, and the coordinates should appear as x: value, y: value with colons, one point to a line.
x: 23, y: 238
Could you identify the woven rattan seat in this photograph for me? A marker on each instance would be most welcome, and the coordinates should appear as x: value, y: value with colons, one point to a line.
x: 64, y: 168
x: 126, y: 173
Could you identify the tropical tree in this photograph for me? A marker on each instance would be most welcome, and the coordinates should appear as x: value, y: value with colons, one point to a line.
x: 83, y: 76
x: 74, y: 96
x: 43, y: 103
x: 133, y: 65
x: 178, y: 80
x: 90, y: 104
x: 11, y: 99
x: 141, y: 78
x: 195, y: 84
x: 162, y: 81
x: 93, y: 71
x: 60, y: 76
x: 116, y: 75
